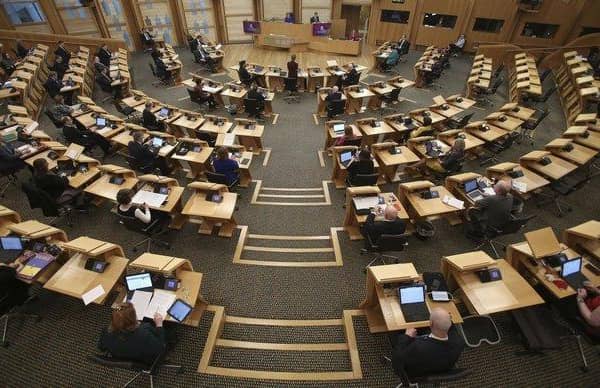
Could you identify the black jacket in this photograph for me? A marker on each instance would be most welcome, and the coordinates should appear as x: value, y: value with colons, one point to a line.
x: 64, y: 53
x: 363, y: 167
x: 53, y: 86
x: 52, y: 184
x: 333, y: 96
x: 376, y: 228
x: 255, y: 95
x: 21, y: 51
x: 495, y: 210
x: 104, y: 56
x: 149, y: 120
x: 423, y: 355
x: 244, y: 74
x: 141, y: 153
x: 292, y: 69
x: 60, y: 69
x: 9, y: 160
x: 15, y: 291
x: 144, y: 344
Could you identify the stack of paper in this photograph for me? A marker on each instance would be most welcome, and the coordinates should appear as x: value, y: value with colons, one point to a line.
x: 228, y: 139
x: 160, y: 303
x: 152, y: 199
x: 519, y: 186
x: 362, y: 203
x: 451, y: 201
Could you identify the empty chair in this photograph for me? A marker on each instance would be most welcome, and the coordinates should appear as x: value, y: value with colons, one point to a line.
x: 335, y: 108
x: 221, y: 179
x: 490, y: 234
x: 528, y: 128
x: 529, y: 100
x: 385, y: 243
x: 291, y: 85
x: 497, y: 147
x: 253, y: 107
x: 459, y: 122
x: 39, y: 199
x: 151, y: 231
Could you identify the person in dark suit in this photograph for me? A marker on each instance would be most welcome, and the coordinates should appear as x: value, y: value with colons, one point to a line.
x: 428, y: 354
x: 130, y: 340
x: 161, y: 69
x: 103, y: 79
x: 292, y: 67
x: 57, y: 187
x: 149, y: 119
x: 255, y: 95
x: 289, y: 18
x: 391, y: 224
x: 314, y: 18
x: 492, y: 211
x: 363, y: 165
x: 20, y: 49
x: 245, y: 77
x: 62, y: 52
x: 84, y: 137
x: 53, y: 85
x: 402, y: 45
x: 13, y: 292
x: 200, y: 54
x: 350, y: 78
x: 334, y: 94
x: 59, y: 67
x: 204, y: 96
x: 104, y: 55
x: 147, y: 38
x: 10, y: 160
x: 144, y: 156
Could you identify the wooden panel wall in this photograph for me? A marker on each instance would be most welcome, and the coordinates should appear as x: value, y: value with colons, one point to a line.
x: 276, y: 9
x: 116, y: 21
x: 380, y: 31
x: 440, y: 36
x: 158, y: 15
x: 490, y: 9
x: 588, y: 17
x: 77, y: 20
x: 199, y: 18
x: 236, y: 11
x: 309, y: 7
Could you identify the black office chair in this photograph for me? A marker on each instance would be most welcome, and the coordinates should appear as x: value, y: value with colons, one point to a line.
x: 202, y: 102
x: 8, y: 178
x: 529, y: 127
x: 136, y: 166
x: 559, y: 189
x: 439, y: 177
x: 207, y: 137
x: 481, y: 94
x: 291, y: 85
x: 496, y: 148
x: 385, y: 243
x: 151, y: 231
x: 221, y: 179
x: 163, y: 79
x: 108, y: 361
x: 253, y: 108
x: 362, y: 180
x: 389, y: 99
x: 71, y: 135
x: 335, y: 108
x: 40, y: 199
x: 459, y: 122
x: 498, y: 71
x: 13, y: 310
x: 434, y: 379
x: 490, y: 234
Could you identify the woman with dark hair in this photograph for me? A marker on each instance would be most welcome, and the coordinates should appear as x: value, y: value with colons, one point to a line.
x: 128, y: 339
x: 226, y: 166
x: 363, y: 165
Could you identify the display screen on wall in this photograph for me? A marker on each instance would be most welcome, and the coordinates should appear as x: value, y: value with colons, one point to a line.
x: 391, y: 16
x: 398, y: 1
x: 321, y: 29
x: 251, y: 27
x: 439, y: 20
x: 539, y: 30
x: 488, y: 25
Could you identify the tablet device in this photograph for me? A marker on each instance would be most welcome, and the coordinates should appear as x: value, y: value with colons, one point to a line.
x: 116, y: 180
x: 179, y: 310
x: 11, y: 243
x: 100, y: 122
x: 157, y: 142
x: 138, y: 281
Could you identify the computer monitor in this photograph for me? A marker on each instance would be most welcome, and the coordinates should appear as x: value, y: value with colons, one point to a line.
x: 100, y: 122
x: 338, y: 128
x: 157, y: 142
x: 471, y: 185
x: 138, y: 281
x: 412, y: 294
x: 321, y: 29
x: 251, y: 27
x: 164, y: 112
x: 11, y: 243
x: 345, y: 156
x: 570, y: 267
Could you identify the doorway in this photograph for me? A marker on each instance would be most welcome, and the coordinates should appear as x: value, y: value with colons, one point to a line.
x: 357, y: 17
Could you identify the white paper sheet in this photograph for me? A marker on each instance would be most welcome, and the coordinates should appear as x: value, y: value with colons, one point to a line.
x: 451, y: 201
x: 489, y: 191
x: 228, y: 139
x: 140, y: 301
x: 519, y: 186
x: 160, y: 303
x: 152, y: 199
x: 93, y: 294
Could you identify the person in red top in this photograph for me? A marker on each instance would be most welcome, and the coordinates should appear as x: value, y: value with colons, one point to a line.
x: 588, y: 304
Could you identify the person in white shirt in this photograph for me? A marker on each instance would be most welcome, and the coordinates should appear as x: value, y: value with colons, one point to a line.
x: 457, y: 46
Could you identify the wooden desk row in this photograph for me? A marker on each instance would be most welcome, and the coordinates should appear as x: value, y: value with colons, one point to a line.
x: 524, y: 79
x: 577, y: 86
x: 171, y: 60
x: 480, y: 76
x: 430, y: 56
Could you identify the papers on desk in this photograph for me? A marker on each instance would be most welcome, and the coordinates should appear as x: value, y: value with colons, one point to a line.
x: 104, y: 130
x: 140, y: 301
x: 32, y: 126
x: 211, y: 90
x: 160, y: 303
x: 26, y: 149
x: 454, y: 202
x: 363, y: 203
x: 93, y: 294
x: 228, y: 139
x: 339, y: 72
x: 521, y: 187
x: 152, y: 199
x: 489, y: 191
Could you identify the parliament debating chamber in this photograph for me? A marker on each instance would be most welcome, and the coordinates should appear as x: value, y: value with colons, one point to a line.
x: 243, y: 193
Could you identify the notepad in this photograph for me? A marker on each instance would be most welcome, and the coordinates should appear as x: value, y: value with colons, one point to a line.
x: 140, y: 301
x: 160, y: 303
x: 228, y: 139
x: 451, y: 201
x: 152, y: 199
x: 93, y: 294
x: 519, y: 186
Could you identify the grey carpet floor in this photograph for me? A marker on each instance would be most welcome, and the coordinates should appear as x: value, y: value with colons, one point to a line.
x: 53, y: 352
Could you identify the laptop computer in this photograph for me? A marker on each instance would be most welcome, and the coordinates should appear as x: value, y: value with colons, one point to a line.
x: 346, y: 158
x: 65, y: 167
x: 338, y: 128
x: 570, y: 271
x: 12, y: 247
x: 543, y: 243
x: 139, y: 281
x: 258, y: 68
x: 412, y: 303
x: 164, y: 112
x: 472, y: 190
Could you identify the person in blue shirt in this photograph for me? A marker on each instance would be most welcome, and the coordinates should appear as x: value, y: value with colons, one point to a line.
x: 392, y: 58
x: 289, y: 17
x: 226, y: 166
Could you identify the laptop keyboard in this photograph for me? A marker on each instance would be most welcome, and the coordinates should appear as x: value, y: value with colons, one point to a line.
x: 415, y: 312
x: 576, y: 280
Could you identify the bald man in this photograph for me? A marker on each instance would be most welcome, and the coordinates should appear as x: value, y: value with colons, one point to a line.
x: 391, y: 224
x: 428, y: 354
x: 493, y: 211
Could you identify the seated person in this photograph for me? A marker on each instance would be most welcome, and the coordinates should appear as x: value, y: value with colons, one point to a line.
x: 392, y: 59
x: 431, y: 354
x: 147, y: 38
x: 450, y: 161
x: 588, y: 304
x: 457, y: 46
x: 492, y: 211
x: 202, y: 96
x: 254, y: 94
x: 289, y: 18
x: 245, y: 77
x: 334, y: 94
x: 20, y: 49
x: 13, y: 292
x: 149, y: 119
x: 363, y: 165
x: 391, y: 224
x: 10, y: 160
x: 63, y: 52
x: 103, y: 79
x: 347, y: 138
x: 104, y: 55
x: 98, y: 66
x: 424, y: 130
x: 128, y: 339
x: 59, y: 67
x: 53, y: 84
x: 144, y: 156
x: 350, y: 78
x: 84, y: 137
x: 161, y: 69
x: 222, y: 164
x: 403, y: 45
x: 143, y: 213
x: 59, y: 109
x: 57, y: 187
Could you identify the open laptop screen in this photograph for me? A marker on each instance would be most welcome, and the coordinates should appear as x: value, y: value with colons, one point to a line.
x: 570, y: 267
x: 470, y: 185
x: 345, y: 156
x: 414, y: 294
x: 137, y: 281
x: 11, y: 243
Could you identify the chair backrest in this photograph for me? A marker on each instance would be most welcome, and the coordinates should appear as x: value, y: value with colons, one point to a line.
x: 291, y: 84
x: 391, y: 242
x: 251, y: 106
x: 207, y: 137
x: 498, y: 71
x: 353, y: 142
x: 509, y: 140
x: 40, y: 199
x: 337, y: 107
x: 365, y: 179
x: 215, y: 177
x: 393, y: 96
x: 194, y: 95
x: 152, y: 69
x: 465, y: 120
x: 133, y: 224
x: 496, y: 85
x: 545, y: 74
x: 135, y: 165
x: 515, y: 224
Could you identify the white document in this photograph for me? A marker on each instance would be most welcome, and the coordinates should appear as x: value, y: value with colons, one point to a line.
x: 93, y: 294
x: 104, y: 130
x: 521, y: 187
x: 152, y: 199
x: 160, y: 303
x: 140, y: 301
x: 439, y: 295
x: 489, y: 191
x: 365, y: 202
x: 451, y: 201
x: 228, y: 139
x: 31, y: 127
